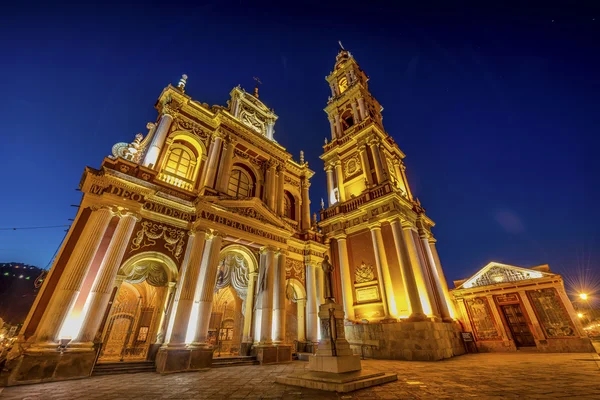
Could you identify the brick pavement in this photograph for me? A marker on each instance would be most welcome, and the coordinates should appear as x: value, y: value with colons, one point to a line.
x: 477, y: 376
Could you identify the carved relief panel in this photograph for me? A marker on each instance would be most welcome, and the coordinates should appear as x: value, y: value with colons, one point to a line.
x: 159, y: 237
x: 551, y: 313
x: 482, y: 319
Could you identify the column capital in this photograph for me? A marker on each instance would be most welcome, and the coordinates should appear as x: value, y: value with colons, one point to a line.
x: 362, y: 147
x: 267, y: 249
x: 373, y: 141
x: 431, y: 239
x: 406, y: 225
x: 340, y: 236
x: 328, y: 168
x: 374, y: 226
x: 212, y: 234
x: 282, y: 251
x: 337, y: 163
x: 129, y: 213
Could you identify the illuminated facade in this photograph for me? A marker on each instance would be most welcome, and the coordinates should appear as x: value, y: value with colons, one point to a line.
x: 196, y: 235
x: 508, y: 308
x: 388, y: 272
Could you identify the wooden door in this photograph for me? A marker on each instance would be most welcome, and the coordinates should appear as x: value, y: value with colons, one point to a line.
x: 518, y: 325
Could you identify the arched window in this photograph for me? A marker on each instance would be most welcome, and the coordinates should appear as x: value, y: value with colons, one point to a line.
x: 289, y: 206
x: 181, y: 162
x: 347, y: 119
x: 240, y: 184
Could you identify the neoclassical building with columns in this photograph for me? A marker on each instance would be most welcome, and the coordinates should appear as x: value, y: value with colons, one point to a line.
x: 194, y: 236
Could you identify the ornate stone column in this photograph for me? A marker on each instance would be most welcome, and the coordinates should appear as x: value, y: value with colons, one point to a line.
x: 442, y: 277
x: 408, y: 277
x: 383, y: 274
x: 279, y: 298
x: 497, y: 318
x: 329, y: 172
x: 99, y: 296
x: 265, y: 290
x: 417, y: 268
x: 185, y: 298
x: 206, y: 287
x: 332, y: 126
x: 213, y: 157
x: 361, y: 107
x: 71, y: 280
x: 312, y: 316
x: 249, y: 308
x: 364, y: 158
x: 301, y: 304
x: 443, y: 304
x: 272, y: 186
x: 280, y: 192
x: 374, y: 144
x: 165, y: 311
x: 340, y: 180
x: 348, y: 298
x: 338, y: 126
x: 305, y: 222
x: 355, y: 113
x: 158, y: 139
x: 537, y: 330
x: 225, y: 165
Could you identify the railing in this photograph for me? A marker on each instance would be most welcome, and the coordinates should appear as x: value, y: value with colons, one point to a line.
x: 175, y: 180
x: 355, y: 203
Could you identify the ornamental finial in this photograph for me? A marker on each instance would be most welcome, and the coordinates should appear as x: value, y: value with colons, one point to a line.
x: 182, y: 82
x: 301, y: 157
x: 341, y: 45
x: 258, y: 82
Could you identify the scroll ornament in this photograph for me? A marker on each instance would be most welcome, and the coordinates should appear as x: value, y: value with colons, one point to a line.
x: 150, y: 232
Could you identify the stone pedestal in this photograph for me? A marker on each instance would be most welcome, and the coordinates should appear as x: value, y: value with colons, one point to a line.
x: 273, y: 354
x: 184, y: 359
x: 48, y: 366
x: 334, y: 367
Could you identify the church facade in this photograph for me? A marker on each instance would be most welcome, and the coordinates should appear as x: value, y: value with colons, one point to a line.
x: 198, y: 235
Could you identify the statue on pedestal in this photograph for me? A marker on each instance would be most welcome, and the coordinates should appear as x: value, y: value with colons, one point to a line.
x: 328, y: 279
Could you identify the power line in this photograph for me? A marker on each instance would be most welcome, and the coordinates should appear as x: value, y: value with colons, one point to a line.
x: 34, y: 227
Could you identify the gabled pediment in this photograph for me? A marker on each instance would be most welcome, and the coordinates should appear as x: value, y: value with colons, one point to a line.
x: 252, y: 208
x: 496, y: 273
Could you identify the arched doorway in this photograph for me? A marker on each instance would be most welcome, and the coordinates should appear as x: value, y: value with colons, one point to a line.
x: 295, y: 311
x: 233, y: 304
x: 137, y: 316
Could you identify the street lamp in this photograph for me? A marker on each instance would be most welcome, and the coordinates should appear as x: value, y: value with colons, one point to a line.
x: 580, y: 315
x: 583, y: 296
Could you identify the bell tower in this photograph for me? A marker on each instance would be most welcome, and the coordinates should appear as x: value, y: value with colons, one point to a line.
x: 380, y: 238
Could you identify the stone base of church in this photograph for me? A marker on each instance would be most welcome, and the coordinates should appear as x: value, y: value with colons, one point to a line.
x: 181, y: 360
x: 406, y: 340
x: 273, y: 354
x: 47, y: 366
x: 567, y: 345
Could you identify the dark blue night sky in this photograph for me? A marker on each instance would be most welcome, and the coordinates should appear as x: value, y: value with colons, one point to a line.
x: 498, y: 111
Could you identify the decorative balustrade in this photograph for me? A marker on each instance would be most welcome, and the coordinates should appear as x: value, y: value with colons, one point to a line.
x: 175, y: 180
x: 356, y: 202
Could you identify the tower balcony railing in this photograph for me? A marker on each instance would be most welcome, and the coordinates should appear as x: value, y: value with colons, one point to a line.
x: 356, y: 202
x: 176, y: 180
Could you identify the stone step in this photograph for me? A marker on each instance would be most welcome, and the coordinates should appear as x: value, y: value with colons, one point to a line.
x: 123, y: 368
x: 218, y: 362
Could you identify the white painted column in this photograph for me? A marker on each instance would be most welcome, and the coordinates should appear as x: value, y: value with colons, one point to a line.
x: 312, y: 316
x: 442, y: 277
x: 340, y: 180
x: 205, y: 290
x: 374, y: 144
x: 280, y: 193
x: 338, y: 126
x: 305, y: 221
x: 158, y: 141
x: 266, y: 291
x: 443, y: 304
x: 364, y: 158
x: 537, y: 331
x: 408, y: 277
x: 279, y: 298
x: 262, y: 265
x: 330, y: 185
x: 383, y: 274
x: 271, y: 186
x: 213, y: 157
x: 225, y: 166
x: 355, y: 113
x: 301, y: 305
x: 164, y: 313
x: 361, y: 107
x: 417, y: 268
x: 332, y: 126
x: 497, y: 319
x: 71, y: 280
x: 99, y: 296
x: 185, y: 297
x: 249, y: 308
x: 348, y: 298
